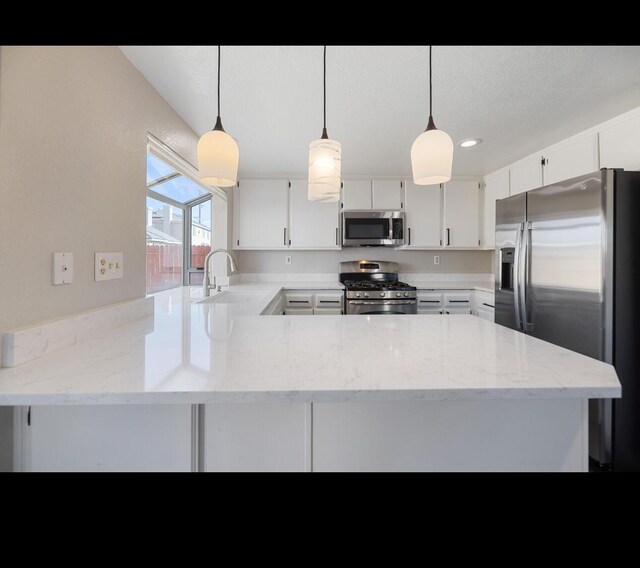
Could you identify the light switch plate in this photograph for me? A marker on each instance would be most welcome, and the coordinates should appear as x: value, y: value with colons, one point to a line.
x: 61, y: 268
x: 109, y: 266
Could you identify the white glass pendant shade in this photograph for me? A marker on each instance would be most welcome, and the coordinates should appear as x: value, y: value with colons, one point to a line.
x: 218, y: 157
x: 325, y: 167
x: 432, y: 157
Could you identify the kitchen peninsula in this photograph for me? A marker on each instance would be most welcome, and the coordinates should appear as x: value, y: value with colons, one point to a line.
x: 223, y: 388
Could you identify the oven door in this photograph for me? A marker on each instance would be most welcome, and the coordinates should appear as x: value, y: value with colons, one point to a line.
x: 381, y: 307
x: 372, y: 228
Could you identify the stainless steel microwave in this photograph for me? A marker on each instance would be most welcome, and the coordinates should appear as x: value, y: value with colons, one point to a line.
x: 372, y: 228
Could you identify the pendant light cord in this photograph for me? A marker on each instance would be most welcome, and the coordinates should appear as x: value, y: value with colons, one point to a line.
x: 324, y: 85
x: 218, y: 81
x: 430, y: 85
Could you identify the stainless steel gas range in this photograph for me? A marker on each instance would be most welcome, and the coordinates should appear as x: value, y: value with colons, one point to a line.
x: 372, y: 287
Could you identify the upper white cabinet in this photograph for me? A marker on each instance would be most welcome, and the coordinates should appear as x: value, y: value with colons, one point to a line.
x: 461, y: 215
x: 574, y: 157
x: 313, y: 224
x: 260, y: 214
x: 526, y: 174
x: 496, y: 186
x: 356, y: 194
x: 619, y: 146
x: 387, y: 194
x: 371, y: 194
x: 423, y: 208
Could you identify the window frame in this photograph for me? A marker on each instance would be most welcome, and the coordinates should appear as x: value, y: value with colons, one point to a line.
x: 182, y: 167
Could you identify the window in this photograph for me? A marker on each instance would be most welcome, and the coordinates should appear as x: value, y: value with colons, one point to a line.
x: 179, y: 226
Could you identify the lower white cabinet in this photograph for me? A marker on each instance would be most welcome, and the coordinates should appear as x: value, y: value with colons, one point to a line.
x: 313, y: 302
x: 444, y: 302
x: 104, y: 438
x: 258, y: 437
x: 483, y: 305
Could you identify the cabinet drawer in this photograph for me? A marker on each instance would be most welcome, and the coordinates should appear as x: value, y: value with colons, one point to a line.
x: 298, y: 311
x: 429, y: 311
x: 486, y: 314
x: 327, y: 312
x: 332, y: 300
x: 429, y: 300
x: 299, y: 300
x: 485, y: 300
x: 457, y: 310
x: 457, y: 299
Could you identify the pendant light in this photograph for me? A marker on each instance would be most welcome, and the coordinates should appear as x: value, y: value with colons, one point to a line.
x: 218, y: 152
x: 432, y: 151
x: 325, y: 160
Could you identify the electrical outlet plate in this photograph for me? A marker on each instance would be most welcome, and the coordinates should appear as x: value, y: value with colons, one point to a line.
x: 287, y: 259
x: 61, y: 268
x: 108, y: 266
x: 436, y: 260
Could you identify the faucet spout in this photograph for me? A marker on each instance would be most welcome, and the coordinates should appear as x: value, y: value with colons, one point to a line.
x: 206, y: 285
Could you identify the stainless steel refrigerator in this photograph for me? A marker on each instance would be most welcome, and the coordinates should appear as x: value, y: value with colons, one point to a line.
x: 568, y: 272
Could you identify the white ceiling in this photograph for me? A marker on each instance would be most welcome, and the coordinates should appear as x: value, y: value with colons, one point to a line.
x: 517, y: 99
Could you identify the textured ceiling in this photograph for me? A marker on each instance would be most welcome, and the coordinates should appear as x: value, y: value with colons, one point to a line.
x: 517, y: 99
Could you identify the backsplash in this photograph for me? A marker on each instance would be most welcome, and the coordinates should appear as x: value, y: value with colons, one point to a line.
x: 451, y: 261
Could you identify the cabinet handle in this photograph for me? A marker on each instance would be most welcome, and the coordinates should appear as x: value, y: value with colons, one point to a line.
x: 488, y: 305
x: 285, y: 236
x: 330, y: 301
x: 29, y: 417
x: 337, y: 236
x: 448, y: 237
x: 409, y: 231
x: 459, y: 301
x: 299, y: 302
x: 429, y: 301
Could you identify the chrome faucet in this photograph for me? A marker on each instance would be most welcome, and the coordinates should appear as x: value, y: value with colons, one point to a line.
x: 206, y: 286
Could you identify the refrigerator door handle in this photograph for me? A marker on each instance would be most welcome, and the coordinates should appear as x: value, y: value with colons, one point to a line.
x: 526, y: 275
x: 516, y: 277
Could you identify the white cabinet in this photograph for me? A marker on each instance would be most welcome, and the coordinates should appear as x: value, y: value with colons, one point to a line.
x: 620, y: 143
x: 372, y: 194
x: 423, y: 209
x: 483, y: 305
x: 313, y: 224
x: 105, y: 438
x: 258, y: 437
x: 260, y: 219
x: 526, y: 174
x: 574, y: 157
x: 313, y: 302
x: 429, y: 302
x: 461, y: 214
x: 444, y: 302
x: 496, y: 186
x: 356, y: 194
x: 387, y: 194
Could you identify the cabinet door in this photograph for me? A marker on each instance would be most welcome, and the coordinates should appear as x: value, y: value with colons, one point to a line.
x: 257, y: 437
x: 261, y: 214
x: 107, y: 438
x: 461, y: 215
x: 574, y: 158
x: 423, y: 209
x: 314, y: 224
x: 619, y: 144
x: 356, y: 194
x: 496, y: 186
x: 387, y: 194
x: 526, y: 174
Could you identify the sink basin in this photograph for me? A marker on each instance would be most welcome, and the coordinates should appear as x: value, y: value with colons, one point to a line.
x: 230, y: 297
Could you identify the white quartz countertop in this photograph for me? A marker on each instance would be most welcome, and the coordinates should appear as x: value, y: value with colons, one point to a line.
x: 191, y: 352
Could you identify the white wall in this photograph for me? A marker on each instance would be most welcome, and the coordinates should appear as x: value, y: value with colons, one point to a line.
x: 473, y: 262
x: 73, y: 133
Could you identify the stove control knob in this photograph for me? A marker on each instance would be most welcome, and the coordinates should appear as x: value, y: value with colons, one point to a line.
x: 406, y: 294
x: 357, y: 294
x: 398, y: 294
x: 366, y: 294
x: 382, y: 294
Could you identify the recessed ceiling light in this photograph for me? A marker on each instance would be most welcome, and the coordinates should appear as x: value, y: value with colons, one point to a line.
x: 471, y: 142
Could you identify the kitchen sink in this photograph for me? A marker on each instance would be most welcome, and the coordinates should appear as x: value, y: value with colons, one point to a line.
x: 230, y: 297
